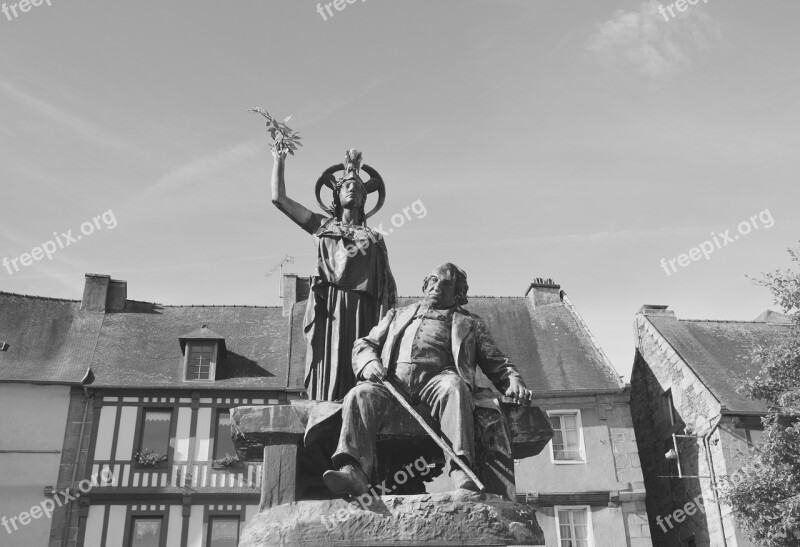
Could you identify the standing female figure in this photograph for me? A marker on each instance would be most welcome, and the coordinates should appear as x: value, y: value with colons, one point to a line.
x: 352, y: 287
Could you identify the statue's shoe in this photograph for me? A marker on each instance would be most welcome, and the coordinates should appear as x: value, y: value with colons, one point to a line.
x: 462, y: 481
x: 349, y: 479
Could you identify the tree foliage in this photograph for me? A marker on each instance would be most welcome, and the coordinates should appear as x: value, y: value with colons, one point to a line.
x: 766, y: 498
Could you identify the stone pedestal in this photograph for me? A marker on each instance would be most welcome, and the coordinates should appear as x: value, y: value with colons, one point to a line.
x: 451, y: 518
x: 297, y: 440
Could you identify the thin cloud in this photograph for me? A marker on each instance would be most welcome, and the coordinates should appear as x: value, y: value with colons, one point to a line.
x: 654, y: 46
x: 647, y: 234
x: 85, y: 129
x: 197, y: 169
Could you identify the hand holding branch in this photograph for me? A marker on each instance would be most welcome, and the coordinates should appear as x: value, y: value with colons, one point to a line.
x: 284, y: 139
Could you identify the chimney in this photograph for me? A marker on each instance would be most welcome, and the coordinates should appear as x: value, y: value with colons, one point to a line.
x: 656, y: 310
x: 101, y: 293
x: 117, y: 295
x: 295, y: 289
x: 544, y: 291
x: 773, y: 318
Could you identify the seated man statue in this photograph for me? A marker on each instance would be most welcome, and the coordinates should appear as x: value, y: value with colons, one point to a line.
x: 431, y: 348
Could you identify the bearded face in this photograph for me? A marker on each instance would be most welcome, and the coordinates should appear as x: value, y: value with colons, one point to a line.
x: 446, y: 286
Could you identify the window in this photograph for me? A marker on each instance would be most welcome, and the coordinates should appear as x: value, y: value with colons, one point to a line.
x: 201, y: 361
x: 567, y: 444
x: 156, y: 431
x: 753, y: 437
x: 574, y: 526
x: 145, y: 532
x: 223, y: 531
x: 668, y: 412
x: 223, y: 444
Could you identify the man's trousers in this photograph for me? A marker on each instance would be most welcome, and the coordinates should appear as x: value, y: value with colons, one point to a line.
x: 369, y: 405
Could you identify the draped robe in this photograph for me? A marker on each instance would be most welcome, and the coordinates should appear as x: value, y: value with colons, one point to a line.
x: 351, y: 290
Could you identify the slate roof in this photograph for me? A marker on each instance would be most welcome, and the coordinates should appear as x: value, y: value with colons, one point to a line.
x: 719, y: 353
x: 549, y: 344
x: 53, y: 341
x: 142, y: 347
x: 49, y: 340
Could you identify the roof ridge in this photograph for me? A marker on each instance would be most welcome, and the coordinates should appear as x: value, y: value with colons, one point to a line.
x: 604, y: 360
x: 198, y: 305
x: 210, y: 305
x: 473, y: 296
x: 4, y: 293
x: 735, y: 321
x: 74, y: 301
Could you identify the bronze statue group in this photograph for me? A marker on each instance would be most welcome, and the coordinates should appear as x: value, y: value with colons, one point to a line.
x: 378, y: 359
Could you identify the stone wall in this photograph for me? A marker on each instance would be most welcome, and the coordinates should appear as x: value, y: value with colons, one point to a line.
x: 629, y: 471
x: 657, y: 368
x: 665, y: 495
x: 612, y: 466
x: 63, y: 533
x: 728, y: 445
x: 697, y: 406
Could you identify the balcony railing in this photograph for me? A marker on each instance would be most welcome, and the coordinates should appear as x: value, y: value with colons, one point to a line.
x: 111, y: 474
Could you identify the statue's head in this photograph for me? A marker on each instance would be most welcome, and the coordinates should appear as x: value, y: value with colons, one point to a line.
x: 350, y: 191
x: 446, y: 286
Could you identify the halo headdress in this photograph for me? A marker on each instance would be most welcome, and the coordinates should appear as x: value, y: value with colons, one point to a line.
x: 351, y: 169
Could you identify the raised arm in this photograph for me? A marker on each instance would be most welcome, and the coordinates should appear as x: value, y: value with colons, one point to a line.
x: 307, y: 220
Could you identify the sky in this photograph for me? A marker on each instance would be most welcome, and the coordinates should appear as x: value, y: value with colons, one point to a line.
x: 582, y: 141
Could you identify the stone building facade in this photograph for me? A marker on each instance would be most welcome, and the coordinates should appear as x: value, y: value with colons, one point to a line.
x: 692, y: 427
x: 571, y: 376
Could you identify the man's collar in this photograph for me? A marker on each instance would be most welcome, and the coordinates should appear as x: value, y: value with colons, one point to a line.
x: 425, y: 307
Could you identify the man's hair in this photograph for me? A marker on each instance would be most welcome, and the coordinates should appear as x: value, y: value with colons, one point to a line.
x: 461, y: 282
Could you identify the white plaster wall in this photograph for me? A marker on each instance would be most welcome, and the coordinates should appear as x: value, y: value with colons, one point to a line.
x: 607, y: 527
x: 34, y: 418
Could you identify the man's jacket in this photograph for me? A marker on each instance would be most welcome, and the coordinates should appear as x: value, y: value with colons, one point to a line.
x: 472, y: 346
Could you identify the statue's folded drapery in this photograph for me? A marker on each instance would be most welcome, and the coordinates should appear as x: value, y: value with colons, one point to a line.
x: 352, y: 289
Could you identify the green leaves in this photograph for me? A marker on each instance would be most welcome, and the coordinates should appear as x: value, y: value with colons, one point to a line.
x: 765, y: 493
x: 284, y: 139
x: 149, y: 458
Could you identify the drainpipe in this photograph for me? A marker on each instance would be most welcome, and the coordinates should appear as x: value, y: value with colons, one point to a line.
x: 713, y: 475
x: 65, y: 528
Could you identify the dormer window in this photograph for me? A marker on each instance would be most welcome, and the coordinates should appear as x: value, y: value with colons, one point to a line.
x: 202, y: 350
x: 201, y: 361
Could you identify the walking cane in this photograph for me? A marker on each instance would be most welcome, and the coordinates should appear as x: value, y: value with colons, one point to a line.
x: 387, y: 383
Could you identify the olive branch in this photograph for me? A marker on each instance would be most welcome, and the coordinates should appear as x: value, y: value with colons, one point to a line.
x: 284, y: 139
